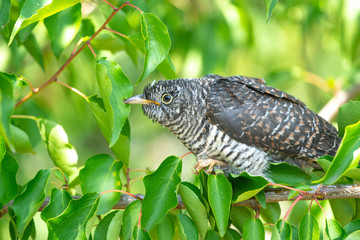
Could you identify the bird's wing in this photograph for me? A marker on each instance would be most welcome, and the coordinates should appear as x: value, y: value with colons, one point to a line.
x: 253, y: 113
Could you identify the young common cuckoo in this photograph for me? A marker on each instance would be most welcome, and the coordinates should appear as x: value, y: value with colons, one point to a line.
x: 238, y: 123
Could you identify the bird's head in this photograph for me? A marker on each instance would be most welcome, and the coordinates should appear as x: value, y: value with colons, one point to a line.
x: 165, y: 101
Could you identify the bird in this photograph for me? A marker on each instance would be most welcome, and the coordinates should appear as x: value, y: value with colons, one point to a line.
x: 238, y: 124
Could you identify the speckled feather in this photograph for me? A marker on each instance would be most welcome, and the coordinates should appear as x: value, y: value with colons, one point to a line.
x: 240, y: 123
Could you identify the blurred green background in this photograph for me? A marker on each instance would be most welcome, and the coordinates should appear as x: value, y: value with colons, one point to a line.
x: 308, y: 48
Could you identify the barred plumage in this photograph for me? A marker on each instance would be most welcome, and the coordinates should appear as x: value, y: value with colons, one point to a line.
x: 238, y: 123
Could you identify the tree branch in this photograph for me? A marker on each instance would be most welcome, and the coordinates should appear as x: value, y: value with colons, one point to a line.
x: 272, y: 195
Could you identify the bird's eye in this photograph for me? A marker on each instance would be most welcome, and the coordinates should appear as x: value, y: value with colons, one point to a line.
x: 166, y: 98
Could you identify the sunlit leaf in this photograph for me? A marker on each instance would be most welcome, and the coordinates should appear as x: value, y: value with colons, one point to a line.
x: 61, y: 152
x: 59, y: 200
x: 188, y: 227
x: 220, y: 193
x: 246, y: 186
x: 130, y: 219
x: 253, y: 229
x: 27, y: 204
x: 71, y: 224
x: 309, y: 228
x: 114, y: 87
x: 121, y: 148
x: 109, y: 227
x: 63, y: 27
x: 8, y: 170
x: 107, y: 170
x: 36, y: 10
x: 21, y: 140
x: 194, y: 206
x: 346, y: 158
x: 160, y: 192
x: 349, y: 114
x: 334, y: 230
x: 353, y: 236
x: 286, y: 174
x: 157, y: 42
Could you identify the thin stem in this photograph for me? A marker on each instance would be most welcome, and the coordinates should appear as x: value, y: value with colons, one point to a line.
x: 62, y: 173
x: 116, y: 32
x: 127, y: 170
x: 292, y: 206
x: 112, y: 6
x: 121, y: 191
x: 24, y: 117
x: 72, y: 56
x: 320, y: 206
x: 137, y: 170
x: 290, y: 188
x: 185, y: 155
x: 74, y: 90
x: 135, y: 179
x: 92, y: 50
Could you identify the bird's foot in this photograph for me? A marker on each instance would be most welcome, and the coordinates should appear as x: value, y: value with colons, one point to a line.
x: 209, y: 164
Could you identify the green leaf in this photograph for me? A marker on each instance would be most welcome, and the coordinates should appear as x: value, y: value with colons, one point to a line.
x: 109, y: 227
x: 121, y: 148
x: 34, y: 50
x: 194, y: 206
x: 349, y: 114
x: 61, y: 152
x: 72, y: 223
x: 130, y: 219
x: 284, y: 230
x: 220, y: 193
x: 271, y: 213
x: 231, y: 234
x: 286, y: 174
x: 21, y: 140
x: 342, y: 210
x: 253, y: 229
x: 140, y: 234
x: 8, y: 169
x: 294, y: 193
x: 309, y: 228
x: 107, y: 169
x: 160, y: 192
x: 188, y: 227
x: 114, y: 87
x: 354, y: 236
x: 346, y: 158
x: 246, y: 186
x: 334, y: 230
x: 27, y: 204
x: 7, y: 103
x: 4, y: 12
x: 157, y: 42
x: 352, y: 226
x: 270, y: 5
x: 36, y: 10
x: 212, y: 235
x: 63, y: 27
x: 59, y: 201
x: 165, y: 229
x: 167, y: 69
x: 239, y: 215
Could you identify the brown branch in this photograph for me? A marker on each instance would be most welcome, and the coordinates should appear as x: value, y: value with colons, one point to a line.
x: 330, y: 110
x: 272, y: 195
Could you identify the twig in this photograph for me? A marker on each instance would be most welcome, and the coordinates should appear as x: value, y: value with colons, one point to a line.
x: 271, y: 195
x: 74, y: 90
x: 72, y: 56
x: 330, y: 110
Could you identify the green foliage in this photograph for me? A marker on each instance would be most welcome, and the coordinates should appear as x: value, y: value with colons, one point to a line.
x: 308, y: 48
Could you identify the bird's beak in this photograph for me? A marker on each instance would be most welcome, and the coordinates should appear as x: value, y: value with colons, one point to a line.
x: 139, y: 99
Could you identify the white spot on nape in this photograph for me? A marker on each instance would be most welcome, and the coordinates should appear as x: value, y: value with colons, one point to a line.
x: 153, y: 82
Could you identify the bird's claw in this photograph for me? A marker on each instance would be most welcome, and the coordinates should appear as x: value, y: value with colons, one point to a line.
x: 209, y: 164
